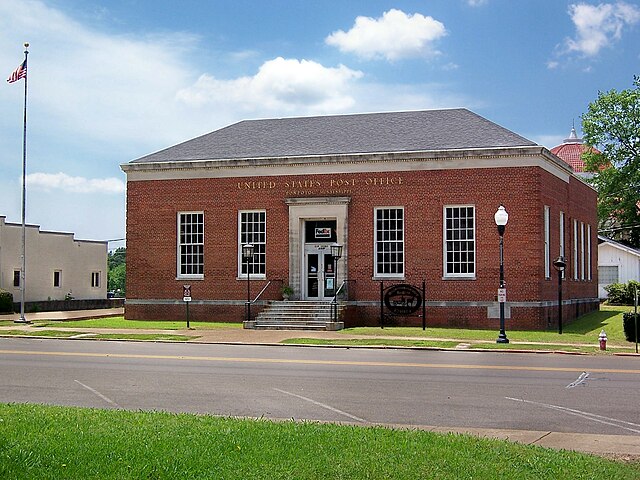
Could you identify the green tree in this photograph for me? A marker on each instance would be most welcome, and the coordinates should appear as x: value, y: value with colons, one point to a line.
x: 612, y: 125
x: 117, y: 265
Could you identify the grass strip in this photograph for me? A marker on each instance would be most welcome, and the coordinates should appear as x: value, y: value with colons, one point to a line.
x: 156, y: 337
x: 99, y: 336
x: 370, y: 342
x: 583, y: 330
x: 119, y: 322
x: 44, y: 442
x: 41, y: 333
x: 390, y: 342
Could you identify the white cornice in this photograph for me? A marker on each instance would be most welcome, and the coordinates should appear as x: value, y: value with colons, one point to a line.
x: 528, y: 156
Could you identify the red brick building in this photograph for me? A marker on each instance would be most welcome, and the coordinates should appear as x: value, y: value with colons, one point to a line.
x: 411, y: 197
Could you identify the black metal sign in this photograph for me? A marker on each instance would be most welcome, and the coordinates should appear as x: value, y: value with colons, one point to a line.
x: 402, y: 299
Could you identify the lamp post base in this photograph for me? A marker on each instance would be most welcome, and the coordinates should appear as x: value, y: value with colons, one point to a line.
x: 502, y: 338
x: 22, y: 320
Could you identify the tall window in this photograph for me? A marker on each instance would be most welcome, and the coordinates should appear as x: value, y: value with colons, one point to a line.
x: 253, y: 230
x: 589, y: 252
x: 562, y: 253
x: 191, y: 244
x: 459, y: 241
x: 389, y: 241
x: 57, y: 279
x: 547, y: 270
x: 575, y: 249
x: 16, y: 278
x: 582, y: 251
x: 95, y: 279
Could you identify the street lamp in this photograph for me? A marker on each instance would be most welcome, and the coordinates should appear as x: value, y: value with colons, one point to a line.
x: 336, y: 253
x: 247, y: 256
x: 559, y: 264
x: 501, y: 218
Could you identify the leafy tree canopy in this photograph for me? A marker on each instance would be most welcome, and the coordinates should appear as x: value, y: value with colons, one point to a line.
x: 117, y: 264
x: 117, y: 257
x: 612, y: 125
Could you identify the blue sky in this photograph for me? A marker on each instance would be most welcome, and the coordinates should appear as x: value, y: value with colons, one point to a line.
x: 112, y: 81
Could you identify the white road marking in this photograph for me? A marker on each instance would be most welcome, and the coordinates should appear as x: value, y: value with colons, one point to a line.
x: 328, y: 407
x: 589, y: 416
x: 94, y: 391
x: 579, y: 381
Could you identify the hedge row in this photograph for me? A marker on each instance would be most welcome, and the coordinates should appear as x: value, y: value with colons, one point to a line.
x: 622, y: 293
x: 6, y: 302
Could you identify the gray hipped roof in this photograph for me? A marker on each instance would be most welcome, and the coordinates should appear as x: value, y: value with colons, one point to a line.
x: 427, y: 130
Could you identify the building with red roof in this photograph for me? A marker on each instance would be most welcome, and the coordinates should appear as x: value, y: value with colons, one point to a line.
x: 571, y: 151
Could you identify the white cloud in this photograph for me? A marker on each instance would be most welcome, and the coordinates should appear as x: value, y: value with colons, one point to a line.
x: 67, y: 183
x: 477, y: 3
x: 279, y: 84
x: 598, y: 26
x: 98, y: 99
x: 394, y: 36
x: 102, y: 86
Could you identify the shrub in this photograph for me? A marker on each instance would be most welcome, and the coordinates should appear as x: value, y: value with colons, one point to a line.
x: 622, y: 293
x: 629, y: 325
x: 6, y: 302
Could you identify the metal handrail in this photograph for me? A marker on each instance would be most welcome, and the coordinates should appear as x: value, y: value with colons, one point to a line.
x: 334, y: 302
x: 335, y: 297
x: 263, y: 290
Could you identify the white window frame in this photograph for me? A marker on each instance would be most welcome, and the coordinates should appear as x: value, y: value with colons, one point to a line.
x: 589, y: 276
x: 547, y: 237
x: 59, y: 273
x: 446, y: 241
x: 582, y: 269
x: 390, y: 242
x: 259, y: 263
x: 199, y: 244
x: 575, y: 249
x: 95, y: 279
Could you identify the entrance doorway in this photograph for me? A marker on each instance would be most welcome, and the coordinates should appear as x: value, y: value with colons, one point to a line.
x: 320, y: 273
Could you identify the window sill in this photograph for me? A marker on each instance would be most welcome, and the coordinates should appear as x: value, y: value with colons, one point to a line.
x: 190, y: 277
x: 253, y: 277
x: 382, y: 279
x: 453, y: 277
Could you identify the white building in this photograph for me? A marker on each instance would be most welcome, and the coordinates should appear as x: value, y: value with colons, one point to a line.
x: 617, y: 263
x: 57, y: 265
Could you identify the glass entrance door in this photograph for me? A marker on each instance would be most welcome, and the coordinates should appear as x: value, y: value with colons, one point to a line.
x: 320, y: 273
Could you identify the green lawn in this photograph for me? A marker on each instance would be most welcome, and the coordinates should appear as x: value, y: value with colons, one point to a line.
x: 584, y: 330
x: 579, y: 336
x: 100, y: 336
x: 120, y: 323
x: 41, y: 442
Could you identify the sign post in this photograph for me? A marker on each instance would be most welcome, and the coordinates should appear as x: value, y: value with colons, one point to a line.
x: 186, y: 298
x: 635, y: 317
x: 502, y: 295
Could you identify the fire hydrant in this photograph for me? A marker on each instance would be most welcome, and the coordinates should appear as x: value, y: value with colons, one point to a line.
x: 603, y: 340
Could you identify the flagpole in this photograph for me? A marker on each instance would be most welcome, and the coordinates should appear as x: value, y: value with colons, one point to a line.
x: 22, y: 318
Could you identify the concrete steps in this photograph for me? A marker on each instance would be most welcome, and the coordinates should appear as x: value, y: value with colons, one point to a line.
x: 297, y: 315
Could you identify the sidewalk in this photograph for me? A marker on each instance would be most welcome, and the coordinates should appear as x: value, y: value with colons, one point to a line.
x: 624, y: 447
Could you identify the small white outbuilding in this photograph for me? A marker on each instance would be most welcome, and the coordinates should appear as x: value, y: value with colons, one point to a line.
x: 617, y: 263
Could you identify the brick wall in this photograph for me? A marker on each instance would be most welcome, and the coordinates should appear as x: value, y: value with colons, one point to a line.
x: 152, y: 208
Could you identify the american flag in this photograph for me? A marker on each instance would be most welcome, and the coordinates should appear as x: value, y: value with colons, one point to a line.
x: 18, y: 73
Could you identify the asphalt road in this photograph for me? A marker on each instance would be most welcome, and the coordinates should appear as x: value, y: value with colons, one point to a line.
x: 544, y: 392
